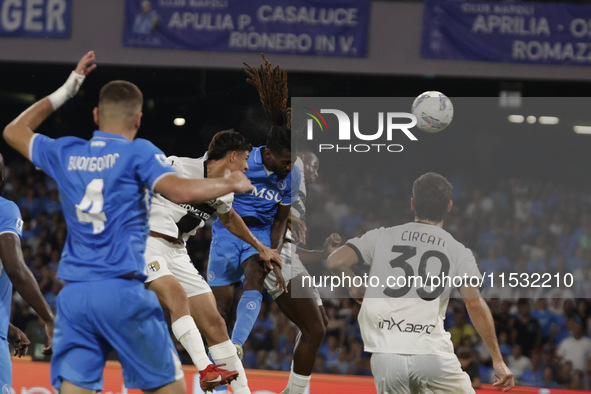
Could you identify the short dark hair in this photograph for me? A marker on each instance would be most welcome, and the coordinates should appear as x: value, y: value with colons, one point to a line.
x: 432, y: 193
x: 226, y: 141
x: 279, y: 138
x: 120, y: 99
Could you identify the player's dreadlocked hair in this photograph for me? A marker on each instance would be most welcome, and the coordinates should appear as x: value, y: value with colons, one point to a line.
x: 271, y: 84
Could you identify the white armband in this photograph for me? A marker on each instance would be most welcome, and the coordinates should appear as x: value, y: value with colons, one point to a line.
x: 67, y: 90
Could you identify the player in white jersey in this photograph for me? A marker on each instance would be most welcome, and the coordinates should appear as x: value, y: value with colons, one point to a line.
x: 402, y: 324
x: 306, y: 309
x: 171, y: 273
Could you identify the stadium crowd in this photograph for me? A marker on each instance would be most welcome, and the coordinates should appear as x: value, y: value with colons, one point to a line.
x: 511, y: 225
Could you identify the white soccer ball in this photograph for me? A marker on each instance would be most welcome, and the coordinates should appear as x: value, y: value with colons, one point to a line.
x: 433, y: 110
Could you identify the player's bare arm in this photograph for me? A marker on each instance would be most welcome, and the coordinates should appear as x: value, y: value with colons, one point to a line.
x: 278, y: 229
x: 341, y: 262
x: 18, y: 340
x: 24, y: 282
x: 483, y: 322
x: 298, y: 229
x: 20, y: 131
x: 279, y: 226
x: 331, y: 243
x: 234, y: 223
x: 196, y: 191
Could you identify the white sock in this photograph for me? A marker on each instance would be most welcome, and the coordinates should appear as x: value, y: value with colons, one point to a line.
x: 185, y: 330
x: 297, y: 383
x: 225, y: 353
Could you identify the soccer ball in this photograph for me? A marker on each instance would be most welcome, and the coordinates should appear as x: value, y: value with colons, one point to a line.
x: 433, y: 110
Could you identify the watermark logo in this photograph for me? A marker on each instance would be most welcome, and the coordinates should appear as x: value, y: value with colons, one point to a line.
x: 318, y: 118
x: 362, y: 124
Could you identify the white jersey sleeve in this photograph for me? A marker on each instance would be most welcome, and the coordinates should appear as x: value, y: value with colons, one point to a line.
x: 365, y: 245
x: 182, y: 220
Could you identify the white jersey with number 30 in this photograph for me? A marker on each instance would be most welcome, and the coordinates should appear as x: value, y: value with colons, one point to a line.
x: 404, y: 306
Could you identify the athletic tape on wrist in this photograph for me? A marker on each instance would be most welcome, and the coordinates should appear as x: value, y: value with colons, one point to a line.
x: 67, y: 90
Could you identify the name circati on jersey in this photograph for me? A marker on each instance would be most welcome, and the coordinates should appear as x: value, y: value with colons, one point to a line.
x: 414, y: 236
x: 92, y: 164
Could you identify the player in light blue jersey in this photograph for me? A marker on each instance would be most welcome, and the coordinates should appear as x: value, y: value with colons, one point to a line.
x: 14, y: 271
x: 265, y: 211
x: 106, y: 184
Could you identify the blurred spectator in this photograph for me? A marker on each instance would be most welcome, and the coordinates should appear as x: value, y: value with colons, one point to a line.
x: 262, y: 329
x: 576, y: 349
x: 461, y: 328
x: 518, y: 363
x: 333, y: 355
x: 336, y: 324
x: 544, y: 317
x: 493, y: 261
x: 35, y: 331
x: 526, y: 331
x: 533, y: 376
x: 548, y: 380
x: 469, y: 363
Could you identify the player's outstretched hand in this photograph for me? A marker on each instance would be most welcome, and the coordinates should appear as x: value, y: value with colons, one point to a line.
x: 298, y: 228
x: 504, y: 378
x: 240, y: 182
x: 331, y: 243
x: 86, y: 64
x: 49, y: 332
x: 269, y: 257
x: 279, y: 280
x: 18, y: 340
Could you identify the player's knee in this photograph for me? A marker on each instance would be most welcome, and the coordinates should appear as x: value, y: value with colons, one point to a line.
x: 218, y: 323
x: 177, y: 304
x: 224, y: 314
x: 314, y: 331
x: 254, y: 280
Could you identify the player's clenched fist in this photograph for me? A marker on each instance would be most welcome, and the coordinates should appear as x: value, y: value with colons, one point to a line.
x: 240, y: 181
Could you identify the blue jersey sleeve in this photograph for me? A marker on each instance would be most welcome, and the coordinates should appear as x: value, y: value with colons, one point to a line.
x: 152, y: 163
x: 44, y: 153
x: 10, y: 218
x: 292, y: 194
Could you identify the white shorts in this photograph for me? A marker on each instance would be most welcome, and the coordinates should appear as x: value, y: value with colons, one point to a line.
x: 166, y: 258
x: 419, y: 373
x: 292, y: 267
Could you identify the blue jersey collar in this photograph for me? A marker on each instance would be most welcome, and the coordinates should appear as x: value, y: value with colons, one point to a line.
x: 108, y: 136
x: 258, y: 158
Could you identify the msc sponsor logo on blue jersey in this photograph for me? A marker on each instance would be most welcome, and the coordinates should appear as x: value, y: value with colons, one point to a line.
x: 267, y: 194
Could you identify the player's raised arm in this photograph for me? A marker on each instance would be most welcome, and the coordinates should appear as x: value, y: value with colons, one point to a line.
x: 20, y: 131
x: 483, y: 322
x: 341, y: 263
x: 331, y: 243
x: 196, y: 191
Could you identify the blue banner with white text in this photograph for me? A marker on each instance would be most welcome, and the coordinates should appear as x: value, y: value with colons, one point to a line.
x: 519, y: 32
x: 301, y: 27
x: 35, y: 18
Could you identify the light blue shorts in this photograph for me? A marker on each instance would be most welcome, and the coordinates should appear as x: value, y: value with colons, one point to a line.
x: 227, y: 253
x: 94, y: 317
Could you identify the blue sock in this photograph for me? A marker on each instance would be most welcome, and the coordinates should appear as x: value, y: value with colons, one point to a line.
x: 247, y: 312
